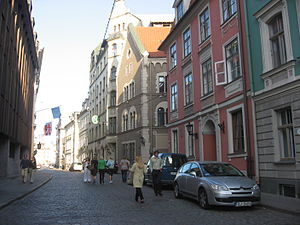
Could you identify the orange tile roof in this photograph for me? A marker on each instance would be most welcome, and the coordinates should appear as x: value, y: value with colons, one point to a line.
x: 151, y: 38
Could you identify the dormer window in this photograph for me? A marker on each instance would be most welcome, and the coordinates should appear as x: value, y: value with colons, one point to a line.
x: 179, y: 10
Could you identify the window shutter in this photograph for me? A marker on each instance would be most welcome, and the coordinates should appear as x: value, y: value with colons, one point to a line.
x: 221, y: 78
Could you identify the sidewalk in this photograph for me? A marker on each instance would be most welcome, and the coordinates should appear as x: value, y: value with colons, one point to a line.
x: 12, y: 189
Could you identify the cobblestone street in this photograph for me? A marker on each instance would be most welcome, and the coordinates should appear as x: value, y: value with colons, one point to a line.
x: 67, y: 200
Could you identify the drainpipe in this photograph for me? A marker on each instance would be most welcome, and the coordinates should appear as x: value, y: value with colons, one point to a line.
x: 246, y: 113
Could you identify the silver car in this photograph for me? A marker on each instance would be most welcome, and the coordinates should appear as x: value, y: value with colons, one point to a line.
x: 215, y: 183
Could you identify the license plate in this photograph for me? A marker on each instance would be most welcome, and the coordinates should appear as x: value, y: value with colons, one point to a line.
x: 173, y: 173
x: 241, y: 204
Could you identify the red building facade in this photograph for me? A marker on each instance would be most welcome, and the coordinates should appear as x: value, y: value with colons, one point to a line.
x: 210, y: 106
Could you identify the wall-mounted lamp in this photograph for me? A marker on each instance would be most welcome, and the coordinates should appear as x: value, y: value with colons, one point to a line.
x: 189, y: 128
x: 222, y: 126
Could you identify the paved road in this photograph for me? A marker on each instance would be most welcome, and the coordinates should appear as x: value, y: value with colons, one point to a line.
x: 67, y: 200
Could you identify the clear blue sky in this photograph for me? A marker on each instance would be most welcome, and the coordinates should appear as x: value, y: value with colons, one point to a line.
x: 69, y: 30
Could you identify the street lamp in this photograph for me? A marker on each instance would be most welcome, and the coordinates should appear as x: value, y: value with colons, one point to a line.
x: 189, y: 128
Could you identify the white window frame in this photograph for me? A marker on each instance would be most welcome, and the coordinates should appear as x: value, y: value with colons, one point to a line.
x: 230, y: 128
x: 263, y: 17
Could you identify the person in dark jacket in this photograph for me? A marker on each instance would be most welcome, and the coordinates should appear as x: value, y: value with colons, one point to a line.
x: 93, y: 168
x: 24, y: 164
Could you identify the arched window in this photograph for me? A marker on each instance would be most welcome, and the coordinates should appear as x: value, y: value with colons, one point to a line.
x: 126, y: 122
x: 113, y: 73
x: 160, y: 117
x: 131, y: 121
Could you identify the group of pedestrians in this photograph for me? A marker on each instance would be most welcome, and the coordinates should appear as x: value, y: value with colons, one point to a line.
x: 28, y: 168
x: 138, y: 171
x: 102, y: 166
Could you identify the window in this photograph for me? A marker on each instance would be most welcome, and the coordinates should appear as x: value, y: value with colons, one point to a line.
x: 187, y: 42
x: 285, y: 133
x: 175, y: 141
x: 188, y: 89
x: 276, y: 40
x: 179, y: 10
x: 229, y: 8
x: 207, y: 80
x: 160, y: 116
x: 287, y: 190
x: 134, y: 120
x: 132, y: 91
x: 113, y: 73
x: 204, y: 25
x: 113, y: 98
x: 162, y: 84
x: 126, y: 122
x: 238, y: 131
x: 278, y: 49
x: 174, y: 97
x: 232, y: 60
x: 195, y: 168
x: 173, y: 56
x: 114, y: 49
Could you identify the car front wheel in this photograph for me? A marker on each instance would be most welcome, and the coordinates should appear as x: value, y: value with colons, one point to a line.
x: 203, y: 200
x: 176, y: 191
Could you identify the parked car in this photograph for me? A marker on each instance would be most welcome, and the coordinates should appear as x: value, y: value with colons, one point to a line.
x: 215, y: 183
x: 171, y: 163
x: 76, y: 167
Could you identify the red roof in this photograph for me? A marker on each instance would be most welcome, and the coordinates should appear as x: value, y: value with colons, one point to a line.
x: 151, y: 38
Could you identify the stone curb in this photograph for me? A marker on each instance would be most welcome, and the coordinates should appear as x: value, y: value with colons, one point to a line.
x: 25, y: 194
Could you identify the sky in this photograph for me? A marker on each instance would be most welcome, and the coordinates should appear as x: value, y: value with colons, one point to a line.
x: 69, y: 30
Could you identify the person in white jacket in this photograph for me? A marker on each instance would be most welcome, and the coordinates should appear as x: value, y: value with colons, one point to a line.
x: 87, y: 171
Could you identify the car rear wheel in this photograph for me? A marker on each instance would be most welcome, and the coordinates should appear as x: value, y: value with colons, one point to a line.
x: 203, y: 200
x: 177, y: 193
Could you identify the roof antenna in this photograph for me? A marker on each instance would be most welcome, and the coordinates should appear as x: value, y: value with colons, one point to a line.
x: 112, y: 9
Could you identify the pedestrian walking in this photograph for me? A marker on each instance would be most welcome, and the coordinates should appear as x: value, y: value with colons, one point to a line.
x: 156, y: 169
x: 138, y: 170
x: 32, y: 169
x: 101, y: 167
x: 124, y: 165
x: 87, y: 171
x: 93, y: 168
x: 24, y: 164
x: 110, y: 165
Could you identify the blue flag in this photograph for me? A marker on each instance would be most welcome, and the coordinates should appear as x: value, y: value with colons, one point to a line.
x: 56, y: 112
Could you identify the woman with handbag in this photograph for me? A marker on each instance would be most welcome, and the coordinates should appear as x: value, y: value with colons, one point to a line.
x: 138, y: 169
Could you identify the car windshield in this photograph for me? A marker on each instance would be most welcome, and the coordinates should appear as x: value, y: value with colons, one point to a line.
x: 175, y: 160
x: 215, y: 169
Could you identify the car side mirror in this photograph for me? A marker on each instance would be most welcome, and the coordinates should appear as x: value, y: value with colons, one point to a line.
x: 193, y: 173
